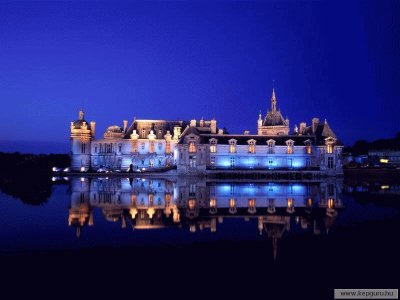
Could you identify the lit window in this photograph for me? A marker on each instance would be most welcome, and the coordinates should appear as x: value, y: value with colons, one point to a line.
x: 329, y: 149
x: 213, y: 148
x: 308, y: 149
x: 331, y: 203
x: 232, y: 206
x: 290, y: 149
x: 289, y: 144
x: 192, y: 204
x: 290, y: 205
x: 232, y: 203
x: 151, y: 149
x: 252, y: 148
x: 192, y: 147
x: 168, y: 147
x: 232, y: 148
x: 213, y: 202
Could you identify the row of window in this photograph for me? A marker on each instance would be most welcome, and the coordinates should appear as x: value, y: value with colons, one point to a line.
x: 106, y: 148
x: 109, y: 148
x: 271, y: 149
x: 271, y: 162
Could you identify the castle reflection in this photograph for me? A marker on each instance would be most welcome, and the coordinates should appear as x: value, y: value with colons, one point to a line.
x: 198, y: 204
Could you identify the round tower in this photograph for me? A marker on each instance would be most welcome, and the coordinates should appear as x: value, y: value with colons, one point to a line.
x: 81, y: 135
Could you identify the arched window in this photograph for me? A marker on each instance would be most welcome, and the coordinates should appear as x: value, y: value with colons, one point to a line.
x: 192, y: 147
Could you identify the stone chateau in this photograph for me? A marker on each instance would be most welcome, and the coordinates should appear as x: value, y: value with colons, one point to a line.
x: 200, y: 147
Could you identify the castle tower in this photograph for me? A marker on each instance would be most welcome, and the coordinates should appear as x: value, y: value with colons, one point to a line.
x: 81, y: 135
x: 274, y: 123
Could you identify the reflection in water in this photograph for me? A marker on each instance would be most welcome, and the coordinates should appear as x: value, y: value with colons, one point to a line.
x: 195, y: 204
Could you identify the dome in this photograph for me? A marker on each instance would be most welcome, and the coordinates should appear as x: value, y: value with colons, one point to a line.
x: 114, y: 129
x: 78, y: 124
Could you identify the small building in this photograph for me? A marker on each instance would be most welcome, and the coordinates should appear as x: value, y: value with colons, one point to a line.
x: 385, y: 157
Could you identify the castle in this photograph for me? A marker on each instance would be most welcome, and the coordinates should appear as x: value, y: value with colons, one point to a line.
x: 200, y: 147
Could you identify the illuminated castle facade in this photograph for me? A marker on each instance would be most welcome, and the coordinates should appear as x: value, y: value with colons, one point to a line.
x: 199, y: 147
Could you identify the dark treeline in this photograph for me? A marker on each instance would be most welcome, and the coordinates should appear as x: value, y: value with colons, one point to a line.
x: 362, y: 146
x: 28, y: 176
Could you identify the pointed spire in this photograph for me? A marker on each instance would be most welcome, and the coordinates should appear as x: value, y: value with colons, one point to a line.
x: 81, y: 114
x: 273, y: 101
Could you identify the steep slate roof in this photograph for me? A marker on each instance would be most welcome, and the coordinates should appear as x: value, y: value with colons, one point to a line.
x: 274, y: 119
x: 322, y: 131
x: 155, y: 125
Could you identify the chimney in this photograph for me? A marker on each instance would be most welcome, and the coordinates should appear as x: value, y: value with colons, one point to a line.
x: 246, y: 132
x: 125, y: 124
x: 213, y: 126
x: 303, y: 127
x: 192, y: 123
x: 315, y: 122
x: 220, y: 131
x: 201, y: 122
x: 93, y: 127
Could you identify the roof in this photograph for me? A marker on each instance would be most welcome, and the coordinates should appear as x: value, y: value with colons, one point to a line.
x: 322, y: 131
x: 274, y: 119
x: 159, y: 127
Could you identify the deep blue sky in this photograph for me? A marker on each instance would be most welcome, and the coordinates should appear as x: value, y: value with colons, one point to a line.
x: 183, y: 60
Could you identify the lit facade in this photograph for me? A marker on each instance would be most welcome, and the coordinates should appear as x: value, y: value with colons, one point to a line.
x: 199, y: 147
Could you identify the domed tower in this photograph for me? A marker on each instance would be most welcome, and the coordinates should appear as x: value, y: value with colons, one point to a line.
x: 81, y: 135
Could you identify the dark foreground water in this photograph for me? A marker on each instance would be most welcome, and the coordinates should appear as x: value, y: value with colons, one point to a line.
x: 170, y: 237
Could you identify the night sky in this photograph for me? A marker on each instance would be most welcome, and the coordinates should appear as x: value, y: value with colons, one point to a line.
x: 184, y: 60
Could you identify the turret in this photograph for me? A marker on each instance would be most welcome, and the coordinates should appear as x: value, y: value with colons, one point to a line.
x: 93, y: 128
x: 125, y: 122
x: 315, y: 122
x: 213, y: 126
x: 81, y: 135
x: 259, y: 121
x: 177, y: 133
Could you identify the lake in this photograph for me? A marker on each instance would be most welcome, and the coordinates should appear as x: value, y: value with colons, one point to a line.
x: 312, y: 236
